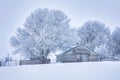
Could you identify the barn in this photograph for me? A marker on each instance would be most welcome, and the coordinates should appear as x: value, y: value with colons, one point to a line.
x: 78, y: 54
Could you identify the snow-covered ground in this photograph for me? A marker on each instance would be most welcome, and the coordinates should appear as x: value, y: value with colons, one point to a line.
x: 67, y: 71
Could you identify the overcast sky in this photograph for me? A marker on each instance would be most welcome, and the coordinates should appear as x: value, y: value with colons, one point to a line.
x: 14, y: 12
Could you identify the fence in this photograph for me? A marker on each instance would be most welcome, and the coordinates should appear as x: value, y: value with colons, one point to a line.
x: 30, y: 62
x: 9, y: 63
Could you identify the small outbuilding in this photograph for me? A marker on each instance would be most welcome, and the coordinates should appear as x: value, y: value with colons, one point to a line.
x: 78, y: 54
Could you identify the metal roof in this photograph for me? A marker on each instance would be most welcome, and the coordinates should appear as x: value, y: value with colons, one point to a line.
x: 91, y: 51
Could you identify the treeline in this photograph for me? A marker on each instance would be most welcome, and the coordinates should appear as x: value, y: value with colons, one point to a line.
x: 45, y: 31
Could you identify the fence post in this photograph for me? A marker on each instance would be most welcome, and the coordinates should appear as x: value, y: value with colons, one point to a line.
x: 20, y: 63
x: 0, y: 63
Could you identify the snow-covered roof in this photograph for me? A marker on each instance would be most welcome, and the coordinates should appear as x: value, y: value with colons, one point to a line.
x: 82, y: 47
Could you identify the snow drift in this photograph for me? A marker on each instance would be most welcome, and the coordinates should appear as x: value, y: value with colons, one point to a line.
x: 68, y: 71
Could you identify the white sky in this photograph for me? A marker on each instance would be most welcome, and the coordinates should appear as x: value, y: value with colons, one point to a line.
x: 14, y: 12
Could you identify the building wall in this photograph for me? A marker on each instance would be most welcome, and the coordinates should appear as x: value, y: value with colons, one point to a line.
x: 94, y: 58
x: 77, y: 55
x: 81, y: 57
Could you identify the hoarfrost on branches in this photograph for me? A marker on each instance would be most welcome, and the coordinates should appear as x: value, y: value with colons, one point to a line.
x: 93, y: 33
x: 44, y: 31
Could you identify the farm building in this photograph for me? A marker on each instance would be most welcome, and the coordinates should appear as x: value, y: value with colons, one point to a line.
x: 78, y: 54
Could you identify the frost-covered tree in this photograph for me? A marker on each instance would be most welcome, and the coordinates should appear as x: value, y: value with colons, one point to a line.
x: 93, y: 33
x: 44, y: 31
x: 102, y: 50
x: 115, y: 42
x: 72, y: 41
